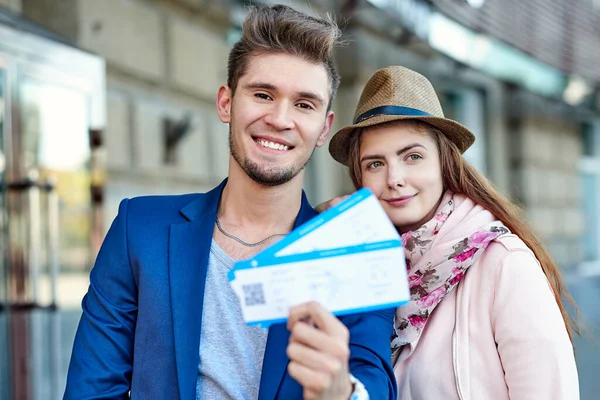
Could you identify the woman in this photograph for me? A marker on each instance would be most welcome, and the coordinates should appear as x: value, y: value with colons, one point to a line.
x: 486, y: 319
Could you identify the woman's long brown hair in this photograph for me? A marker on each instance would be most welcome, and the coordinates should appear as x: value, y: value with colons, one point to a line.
x: 460, y: 177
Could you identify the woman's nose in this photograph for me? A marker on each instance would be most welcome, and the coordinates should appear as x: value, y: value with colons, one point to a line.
x: 396, y: 177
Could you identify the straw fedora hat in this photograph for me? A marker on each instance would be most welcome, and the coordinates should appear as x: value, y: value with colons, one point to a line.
x: 397, y: 93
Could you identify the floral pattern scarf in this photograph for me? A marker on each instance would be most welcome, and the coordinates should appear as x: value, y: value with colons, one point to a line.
x: 438, y: 255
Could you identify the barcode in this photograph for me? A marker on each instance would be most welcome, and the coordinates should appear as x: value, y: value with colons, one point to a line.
x: 253, y: 294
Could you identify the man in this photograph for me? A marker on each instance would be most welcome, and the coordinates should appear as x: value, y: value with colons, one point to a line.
x: 160, y: 319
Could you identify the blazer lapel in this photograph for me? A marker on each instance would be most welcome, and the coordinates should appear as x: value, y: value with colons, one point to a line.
x: 189, y: 248
x: 275, y: 360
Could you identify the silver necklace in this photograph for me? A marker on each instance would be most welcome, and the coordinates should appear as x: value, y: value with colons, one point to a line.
x: 237, y: 239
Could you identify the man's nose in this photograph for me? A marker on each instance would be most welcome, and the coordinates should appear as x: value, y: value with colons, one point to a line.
x: 279, y: 117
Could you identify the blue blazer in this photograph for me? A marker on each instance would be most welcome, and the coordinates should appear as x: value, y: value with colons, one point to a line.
x: 139, y: 333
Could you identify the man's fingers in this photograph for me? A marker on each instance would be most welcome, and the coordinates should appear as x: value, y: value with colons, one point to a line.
x: 311, y: 337
x: 321, y: 317
x: 313, y: 359
x: 318, y: 352
x: 309, y: 379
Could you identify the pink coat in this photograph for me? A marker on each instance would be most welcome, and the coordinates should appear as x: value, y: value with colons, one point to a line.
x: 499, y: 335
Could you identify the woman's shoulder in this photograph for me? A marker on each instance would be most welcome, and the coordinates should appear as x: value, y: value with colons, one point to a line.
x: 509, y: 245
x: 509, y: 255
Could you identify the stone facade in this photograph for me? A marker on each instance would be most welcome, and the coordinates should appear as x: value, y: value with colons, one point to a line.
x: 550, y: 186
x: 547, y: 144
x: 166, y: 60
x: 13, y: 5
x: 163, y: 63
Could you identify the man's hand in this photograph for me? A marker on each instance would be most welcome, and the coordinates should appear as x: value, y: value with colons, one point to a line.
x: 319, y: 353
x: 326, y: 205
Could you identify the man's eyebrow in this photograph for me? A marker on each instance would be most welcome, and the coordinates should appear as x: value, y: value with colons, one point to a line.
x: 267, y: 86
x: 312, y: 96
x: 260, y: 85
x: 402, y: 150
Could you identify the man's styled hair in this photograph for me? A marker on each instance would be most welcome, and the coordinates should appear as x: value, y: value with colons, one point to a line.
x: 281, y: 29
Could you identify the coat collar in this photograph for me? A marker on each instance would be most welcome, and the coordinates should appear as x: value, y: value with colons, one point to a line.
x: 189, y: 250
x: 205, y: 204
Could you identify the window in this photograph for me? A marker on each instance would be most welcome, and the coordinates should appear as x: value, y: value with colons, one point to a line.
x: 596, y: 14
x: 477, y: 3
x: 589, y: 172
x: 467, y: 106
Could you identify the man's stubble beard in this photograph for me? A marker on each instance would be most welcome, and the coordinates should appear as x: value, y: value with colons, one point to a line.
x: 272, y: 177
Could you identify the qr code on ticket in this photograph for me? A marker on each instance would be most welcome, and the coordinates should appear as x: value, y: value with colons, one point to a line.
x: 254, y: 294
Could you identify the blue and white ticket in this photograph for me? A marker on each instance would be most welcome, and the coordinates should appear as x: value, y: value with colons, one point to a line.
x: 349, y: 258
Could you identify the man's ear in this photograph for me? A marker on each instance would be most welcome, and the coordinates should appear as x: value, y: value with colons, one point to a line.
x: 224, y: 100
x: 326, y: 128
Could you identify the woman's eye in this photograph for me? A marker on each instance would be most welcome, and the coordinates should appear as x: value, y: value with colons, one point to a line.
x: 374, y: 164
x: 414, y: 157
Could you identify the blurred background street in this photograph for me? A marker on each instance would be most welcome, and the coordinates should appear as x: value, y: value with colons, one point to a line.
x: 586, y: 291
x: 103, y: 100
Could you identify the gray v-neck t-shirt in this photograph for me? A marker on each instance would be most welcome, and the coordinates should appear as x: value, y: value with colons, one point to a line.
x: 231, y: 353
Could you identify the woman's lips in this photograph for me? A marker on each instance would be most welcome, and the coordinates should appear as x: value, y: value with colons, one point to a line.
x: 400, y: 201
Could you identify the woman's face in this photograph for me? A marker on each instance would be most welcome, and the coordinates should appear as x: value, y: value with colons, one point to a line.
x: 401, y: 166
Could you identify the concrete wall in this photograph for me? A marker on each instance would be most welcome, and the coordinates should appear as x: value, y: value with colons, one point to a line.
x: 166, y: 59
x: 546, y: 151
x: 551, y: 188
x: 163, y: 61
x: 13, y: 5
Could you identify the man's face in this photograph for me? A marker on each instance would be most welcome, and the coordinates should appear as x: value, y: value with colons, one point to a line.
x: 277, y: 116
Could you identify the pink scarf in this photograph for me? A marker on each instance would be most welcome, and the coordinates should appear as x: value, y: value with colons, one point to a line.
x: 438, y: 255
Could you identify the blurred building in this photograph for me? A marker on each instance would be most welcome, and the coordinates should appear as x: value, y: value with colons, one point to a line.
x: 523, y: 75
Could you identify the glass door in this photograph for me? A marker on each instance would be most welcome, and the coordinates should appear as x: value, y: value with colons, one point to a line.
x: 48, y: 221
x: 50, y: 217
x: 589, y: 172
x: 5, y: 377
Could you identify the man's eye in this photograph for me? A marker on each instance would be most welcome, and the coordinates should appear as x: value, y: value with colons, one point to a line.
x: 263, y: 96
x: 306, y: 106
